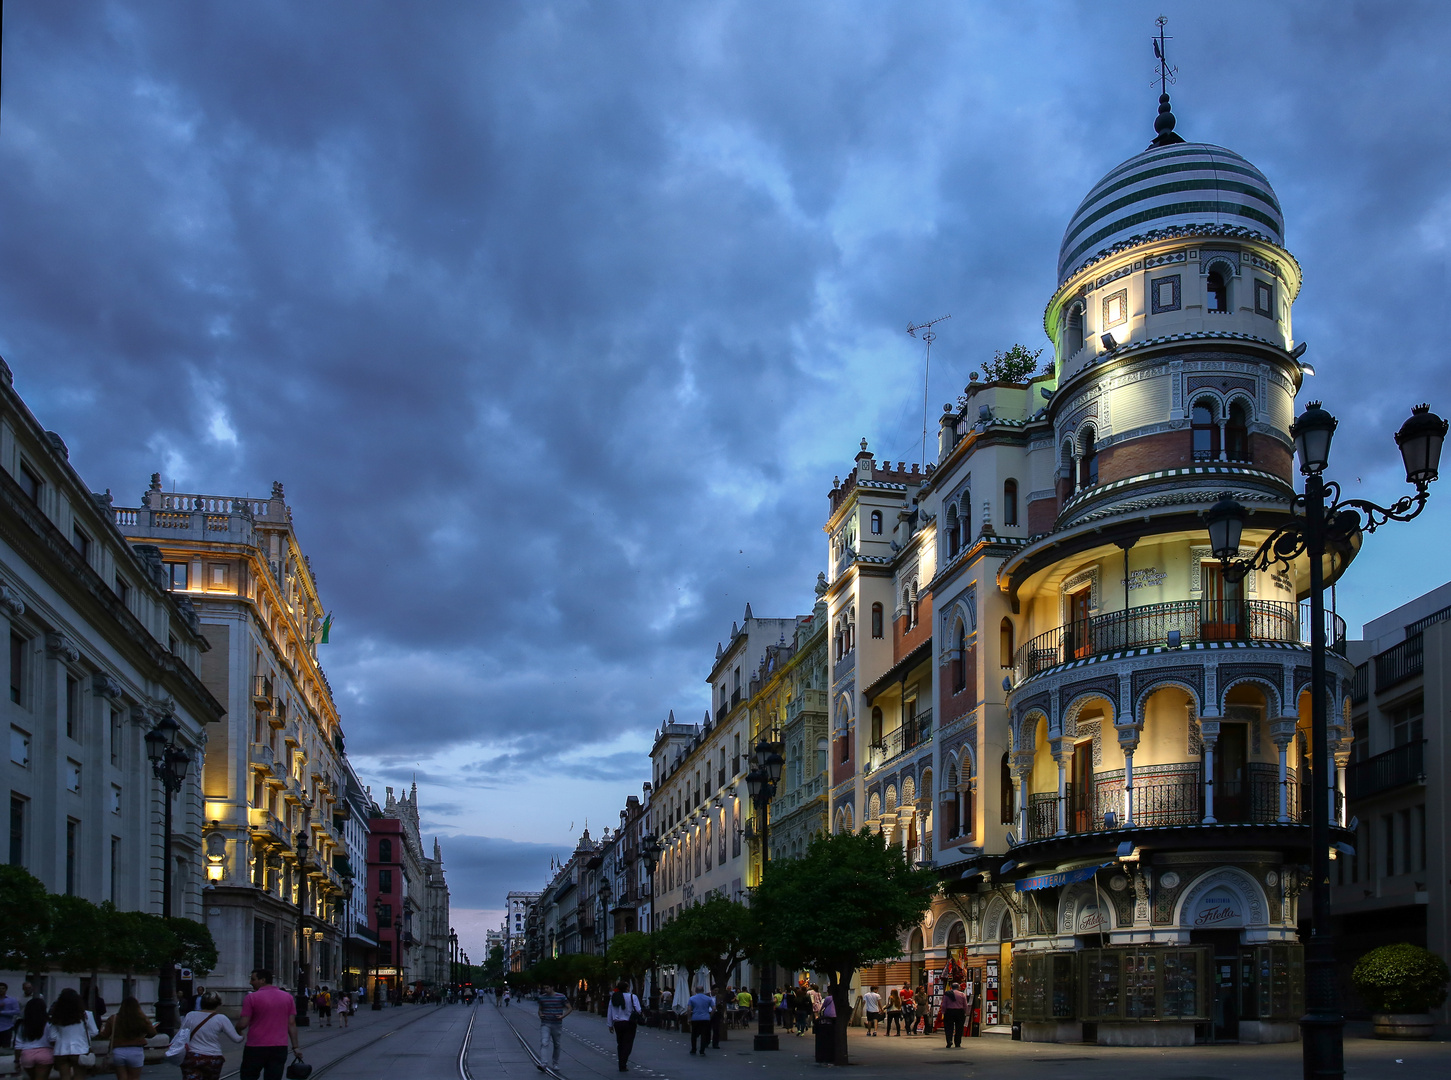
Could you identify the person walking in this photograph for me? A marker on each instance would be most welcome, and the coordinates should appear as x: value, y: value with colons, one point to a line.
x: 801, y: 1001
x: 624, y: 1007
x: 269, y: 1021
x: 553, y: 1008
x: 208, y: 1025
x: 75, y: 1027
x: 324, y: 1002
x: 9, y: 1016
x: 894, y: 1012
x: 924, y: 1010
x: 872, y: 1004
x: 128, y: 1029
x: 954, y: 1012
x: 909, y: 1009
x: 826, y: 1028
x: 700, y: 1007
x: 34, y: 1042
x: 345, y: 1008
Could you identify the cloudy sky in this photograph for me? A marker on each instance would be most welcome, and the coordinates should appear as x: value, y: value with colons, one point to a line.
x: 557, y: 319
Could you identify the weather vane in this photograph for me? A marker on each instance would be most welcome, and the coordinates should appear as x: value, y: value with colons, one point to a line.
x: 1166, y: 73
x: 928, y: 337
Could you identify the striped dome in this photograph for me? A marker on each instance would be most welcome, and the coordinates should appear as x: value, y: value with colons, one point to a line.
x: 1178, y: 185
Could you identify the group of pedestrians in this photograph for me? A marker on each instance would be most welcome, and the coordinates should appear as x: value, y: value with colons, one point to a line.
x: 903, y: 1008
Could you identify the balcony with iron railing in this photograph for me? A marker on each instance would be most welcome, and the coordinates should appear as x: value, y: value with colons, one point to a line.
x: 1400, y: 662
x: 813, y: 701
x: 1395, y: 768
x: 1169, y: 795
x: 800, y: 795
x: 1360, y: 685
x: 914, y: 733
x: 1171, y: 625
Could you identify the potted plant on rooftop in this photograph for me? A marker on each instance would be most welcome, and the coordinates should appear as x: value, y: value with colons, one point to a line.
x: 1401, y: 984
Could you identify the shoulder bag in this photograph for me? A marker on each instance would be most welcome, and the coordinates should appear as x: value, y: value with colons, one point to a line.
x: 176, y: 1049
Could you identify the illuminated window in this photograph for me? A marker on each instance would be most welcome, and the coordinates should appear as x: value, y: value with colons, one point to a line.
x: 876, y: 523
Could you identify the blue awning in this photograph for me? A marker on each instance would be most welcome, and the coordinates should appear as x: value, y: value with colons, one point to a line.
x: 1066, y: 877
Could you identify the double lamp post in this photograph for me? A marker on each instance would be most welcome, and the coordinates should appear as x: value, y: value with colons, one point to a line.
x: 168, y: 765
x: 762, y: 781
x: 1324, y: 525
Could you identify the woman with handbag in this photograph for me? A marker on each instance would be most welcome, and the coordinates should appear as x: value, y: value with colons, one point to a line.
x: 624, y: 1017
x: 128, y: 1029
x: 202, y: 1057
x: 75, y: 1027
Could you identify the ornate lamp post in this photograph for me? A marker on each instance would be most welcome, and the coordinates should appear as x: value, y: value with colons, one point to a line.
x: 453, y: 961
x: 651, y: 848
x: 1328, y: 522
x: 302, y: 848
x: 168, y: 765
x: 762, y: 781
x: 398, y: 959
x: 377, y: 953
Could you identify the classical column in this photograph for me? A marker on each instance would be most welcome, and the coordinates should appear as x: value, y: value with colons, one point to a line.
x: 1337, y: 813
x: 1128, y: 740
x: 1282, y: 731
x: 1063, y: 755
x: 1022, y: 769
x: 1209, y: 731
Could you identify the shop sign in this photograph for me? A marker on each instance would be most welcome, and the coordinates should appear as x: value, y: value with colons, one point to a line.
x: 1091, y: 920
x: 1218, y: 907
x: 1066, y: 877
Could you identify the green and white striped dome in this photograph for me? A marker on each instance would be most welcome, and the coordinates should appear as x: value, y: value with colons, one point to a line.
x: 1174, y: 186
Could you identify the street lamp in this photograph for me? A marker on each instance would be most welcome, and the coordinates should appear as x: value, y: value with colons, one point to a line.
x: 168, y: 765
x: 762, y: 781
x: 1336, y: 526
x: 453, y: 960
x: 302, y: 1018
x: 652, y: 849
x: 377, y: 953
x: 398, y: 960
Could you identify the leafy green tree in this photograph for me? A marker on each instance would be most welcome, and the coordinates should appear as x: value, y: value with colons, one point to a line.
x: 78, y: 934
x: 631, y: 955
x: 493, y: 972
x: 137, y: 941
x: 716, y: 935
x: 196, y: 947
x: 1015, y: 365
x: 25, y: 921
x: 844, y: 904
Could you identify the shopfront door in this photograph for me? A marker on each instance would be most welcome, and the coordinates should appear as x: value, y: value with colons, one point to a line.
x: 1226, y: 979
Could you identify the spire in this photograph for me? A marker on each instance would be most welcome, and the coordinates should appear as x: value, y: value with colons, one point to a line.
x: 1164, y: 125
x: 1164, y: 122
x: 748, y: 611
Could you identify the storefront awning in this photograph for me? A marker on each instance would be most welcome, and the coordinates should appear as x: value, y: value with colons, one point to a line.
x: 1066, y: 877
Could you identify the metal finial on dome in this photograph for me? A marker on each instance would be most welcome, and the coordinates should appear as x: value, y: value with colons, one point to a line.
x: 1164, y: 125
x: 1164, y: 122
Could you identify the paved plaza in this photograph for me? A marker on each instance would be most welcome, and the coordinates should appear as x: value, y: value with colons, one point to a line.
x: 425, y: 1042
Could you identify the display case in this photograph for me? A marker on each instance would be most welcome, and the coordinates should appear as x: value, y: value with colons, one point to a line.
x: 1277, y: 990
x: 1144, y: 984
x: 1045, y: 985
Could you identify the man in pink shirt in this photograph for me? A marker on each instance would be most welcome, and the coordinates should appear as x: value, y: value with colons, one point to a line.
x: 269, y: 1020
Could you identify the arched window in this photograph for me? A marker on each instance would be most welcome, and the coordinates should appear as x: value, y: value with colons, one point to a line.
x: 876, y: 725
x: 1204, y: 431
x: 820, y: 756
x: 876, y: 523
x: 1217, y: 289
x: 385, y: 850
x: 1236, y: 433
x: 877, y: 630
x: 1067, y: 466
x: 1010, y: 502
x: 952, y: 541
x: 1005, y: 643
x: 1073, y: 331
x: 912, y: 609
x: 851, y: 630
x: 1088, y: 462
x: 959, y: 659
x: 1006, y: 783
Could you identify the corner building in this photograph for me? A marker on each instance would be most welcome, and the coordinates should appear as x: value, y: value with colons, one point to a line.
x: 1122, y: 819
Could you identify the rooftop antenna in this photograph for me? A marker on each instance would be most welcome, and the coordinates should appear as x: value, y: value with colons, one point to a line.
x: 928, y: 337
x: 1164, y: 123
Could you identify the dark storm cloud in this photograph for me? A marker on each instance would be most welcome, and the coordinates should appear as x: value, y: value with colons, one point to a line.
x: 557, y: 319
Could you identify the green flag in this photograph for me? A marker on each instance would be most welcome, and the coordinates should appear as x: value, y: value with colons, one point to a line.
x: 327, y: 625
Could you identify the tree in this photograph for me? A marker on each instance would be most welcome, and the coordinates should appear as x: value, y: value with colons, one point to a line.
x: 1014, y: 366
x: 197, y: 949
x: 25, y: 921
x: 78, y: 939
x: 844, y: 904
x: 137, y: 940
x: 716, y: 935
x: 631, y: 955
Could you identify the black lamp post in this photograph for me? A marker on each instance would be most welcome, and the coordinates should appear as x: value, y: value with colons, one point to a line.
x: 302, y: 848
x: 398, y: 959
x: 762, y: 781
x: 378, y: 954
x: 1335, y: 526
x: 453, y: 961
x: 168, y: 765
x: 651, y: 848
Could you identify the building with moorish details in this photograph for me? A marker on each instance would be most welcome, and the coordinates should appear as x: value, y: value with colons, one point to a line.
x: 1112, y: 783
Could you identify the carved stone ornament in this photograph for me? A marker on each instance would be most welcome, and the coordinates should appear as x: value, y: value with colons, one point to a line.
x: 102, y: 685
x: 62, y: 647
x: 1169, y: 879
x: 11, y: 602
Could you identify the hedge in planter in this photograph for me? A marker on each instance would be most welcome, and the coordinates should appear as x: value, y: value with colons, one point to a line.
x: 1401, y: 978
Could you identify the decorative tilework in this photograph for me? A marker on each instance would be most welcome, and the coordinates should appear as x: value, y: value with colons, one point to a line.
x: 1115, y: 309
x: 1264, y: 298
x: 1164, y: 294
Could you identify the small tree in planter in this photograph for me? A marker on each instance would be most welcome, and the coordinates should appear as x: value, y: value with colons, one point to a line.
x: 1401, y: 984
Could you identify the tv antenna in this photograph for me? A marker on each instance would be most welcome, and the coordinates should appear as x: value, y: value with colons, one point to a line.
x: 928, y: 337
x: 1165, y: 73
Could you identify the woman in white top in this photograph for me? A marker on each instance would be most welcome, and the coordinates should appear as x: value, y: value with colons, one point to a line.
x: 624, y: 1007
x: 75, y: 1027
x: 34, y: 1041
x: 208, y: 1025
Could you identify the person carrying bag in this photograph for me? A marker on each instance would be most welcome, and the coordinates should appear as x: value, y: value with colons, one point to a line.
x: 624, y: 1017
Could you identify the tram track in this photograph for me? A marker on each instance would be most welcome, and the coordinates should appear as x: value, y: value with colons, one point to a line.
x: 321, y: 1070
x: 538, y: 1061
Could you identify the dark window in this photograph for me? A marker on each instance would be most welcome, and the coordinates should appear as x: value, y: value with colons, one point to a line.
x: 1010, y: 502
x: 844, y: 755
x: 17, y: 668
x: 1005, y: 644
x: 877, y: 629
x: 82, y: 543
x: 176, y: 574
x: 1205, y: 433
x: 123, y: 590
x: 385, y: 881
x: 1236, y: 434
x: 1073, y: 331
x: 876, y: 525
x: 959, y: 660
x: 115, y: 866
x: 30, y: 483
x: 116, y: 733
x: 1068, y: 470
x: 73, y: 708
x: 264, y: 944
x: 876, y: 726
x: 1218, y: 292
x: 1408, y: 724
x: 387, y: 914
x: 952, y: 534
x: 17, y: 831
x: 1005, y: 781
x: 385, y: 850
x: 72, y: 852
x: 1088, y: 463
x: 1388, y: 830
